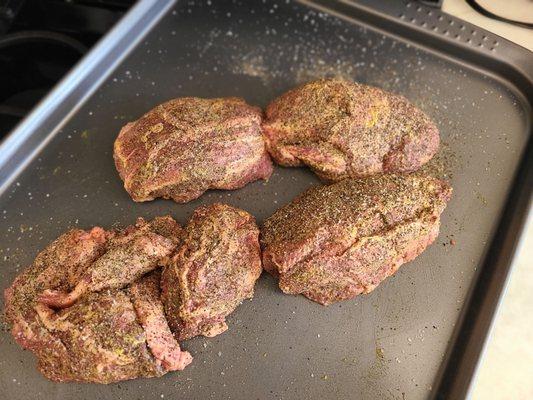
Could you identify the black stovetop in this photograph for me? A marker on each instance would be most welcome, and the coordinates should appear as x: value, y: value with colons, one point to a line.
x: 40, y: 40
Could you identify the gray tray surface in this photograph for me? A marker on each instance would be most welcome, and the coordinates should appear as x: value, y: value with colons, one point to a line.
x: 388, y: 344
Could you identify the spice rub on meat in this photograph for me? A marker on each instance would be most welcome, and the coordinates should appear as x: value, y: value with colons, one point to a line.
x: 213, y: 271
x: 105, y: 336
x: 129, y: 255
x: 344, y: 129
x: 335, y: 242
x: 186, y: 146
x: 146, y: 297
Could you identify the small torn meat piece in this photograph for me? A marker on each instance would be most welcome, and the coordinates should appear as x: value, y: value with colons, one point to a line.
x: 146, y: 297
x: 129, y: 255
x: 101, y: 341
x: 59, y: 266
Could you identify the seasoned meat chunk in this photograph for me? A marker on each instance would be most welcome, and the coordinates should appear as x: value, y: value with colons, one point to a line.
x: 344, y: 129
x: 214, y: 270
x: 188, y: 145
x: 129, y: 255
x: 96, y: 340
x: 107, y: 336
x: 146, y: 298
x: 334, y: 242
x: 58, y: 266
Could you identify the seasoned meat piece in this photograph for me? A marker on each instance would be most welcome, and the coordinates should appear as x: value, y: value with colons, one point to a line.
x: 335, y: 242
x: 146, y: 296
x: 105, y: 337
x: 188, y: 145
x: 344, y: 129
x: 60, y: 265
x: 129, y: 256
x: 96, y: 340
x: 214, y: 270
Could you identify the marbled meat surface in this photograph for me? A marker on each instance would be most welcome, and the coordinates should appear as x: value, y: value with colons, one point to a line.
x: 213, y: 271
x: 335, y: 242
x: 88, y: 314
x: 188, y: 145
x: 344, y: 129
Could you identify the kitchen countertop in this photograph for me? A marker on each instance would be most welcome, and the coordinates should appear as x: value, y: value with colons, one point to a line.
x: 506, y: 366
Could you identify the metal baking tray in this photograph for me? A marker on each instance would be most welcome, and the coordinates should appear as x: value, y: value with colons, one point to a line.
x: 420, y: 333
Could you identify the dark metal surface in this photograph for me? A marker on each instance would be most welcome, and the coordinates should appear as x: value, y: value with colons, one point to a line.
x: 389, y: 344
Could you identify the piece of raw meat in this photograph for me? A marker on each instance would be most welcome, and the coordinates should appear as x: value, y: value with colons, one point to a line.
x: 146, y: 297
x: 58, y: 266
x: 186, y: 146
x: 334, y: 242
x: 104, y: 337
x: 129, y: 255
x: 214, y: 270
x: 344, y: 129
